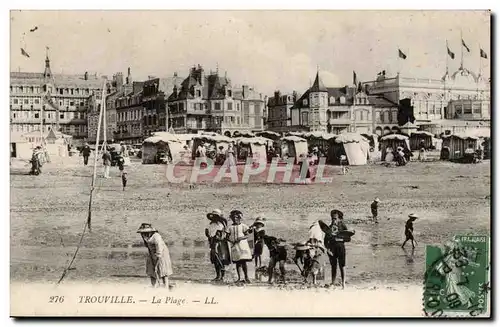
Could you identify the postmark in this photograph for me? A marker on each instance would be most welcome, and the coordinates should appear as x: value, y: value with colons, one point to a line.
x: 456, y: 278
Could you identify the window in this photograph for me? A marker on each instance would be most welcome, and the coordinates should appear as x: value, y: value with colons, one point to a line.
x: 198, y: 93
x: 238, y: 106
x: 15, y: 101
x: 217, y: 106
x: 37, y: 115
x: 14, y: 115
x: 26, y: 101
x: 304, y: 102
x: 37, y: 101
x: 229, y: 106
x: 72, y: 103
x: 229, y: 93
x: 238, y: 120
x: 467, y: 108
x: 395, y: 116
x: 305, y: 118
x: 381, y: 118
x: 61, y: 91
x: 332, y: 100
x: 342, y: 99
x: 61, y: 115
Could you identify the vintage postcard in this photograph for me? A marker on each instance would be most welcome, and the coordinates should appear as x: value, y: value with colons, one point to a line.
x: 250, y: 163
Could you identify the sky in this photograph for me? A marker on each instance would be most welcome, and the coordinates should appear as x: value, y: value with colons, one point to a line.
x: 270, y: 50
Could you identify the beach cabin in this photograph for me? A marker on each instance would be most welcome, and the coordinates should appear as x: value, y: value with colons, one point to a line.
x: 318, y: 139
x: 252, y: 147
x: 293, y: 146
x: 456, y: 145
x: 421, y: 136
x: 162, y: 142
x: 212, y: 143
x: 56, y: 144
x: 353, y: 146
x: 393, y: 141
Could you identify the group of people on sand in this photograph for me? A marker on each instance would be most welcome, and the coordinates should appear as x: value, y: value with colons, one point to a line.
x: 206, y: 151
x: 230, y: 244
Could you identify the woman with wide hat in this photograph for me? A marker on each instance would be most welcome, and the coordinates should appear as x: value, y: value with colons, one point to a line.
x: 240, y: 249
x: 158, y: 264
x: 219, y: 248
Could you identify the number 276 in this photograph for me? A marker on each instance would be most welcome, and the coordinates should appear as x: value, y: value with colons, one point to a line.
x: 56, y: 299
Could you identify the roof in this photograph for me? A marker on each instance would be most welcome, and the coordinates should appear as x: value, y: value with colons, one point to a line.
x: 60, y: 80
x: 213, y: 137
x: 319, y: 135
x: 422, y: 133
x: 212, y: 86
x: 399, y: 137
x: 160, y: 138
x: 268, y: 133
x: 462, y: 136
x: 409, y: 125
x: 252, y: 140
x: 349, y: 138
x: 293, y: 138
x: 380, y: 101
x: 318, y: 85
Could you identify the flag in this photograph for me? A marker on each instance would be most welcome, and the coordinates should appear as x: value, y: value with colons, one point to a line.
x: 401, y: 54
x: 483, y: 54
x: 24, y: 53
x: 451, y: 54
x: 354, y: 78
x: 465, y: 45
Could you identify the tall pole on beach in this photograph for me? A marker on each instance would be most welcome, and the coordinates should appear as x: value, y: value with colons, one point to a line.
x: 96, y: 156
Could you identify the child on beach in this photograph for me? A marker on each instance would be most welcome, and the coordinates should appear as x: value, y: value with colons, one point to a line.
x: 124, y: 180
x: 409, y: 230
x: 240, y: 249
x: 374, y: 208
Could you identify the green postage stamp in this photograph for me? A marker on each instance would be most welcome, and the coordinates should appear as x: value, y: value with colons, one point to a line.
x: 457, y: 278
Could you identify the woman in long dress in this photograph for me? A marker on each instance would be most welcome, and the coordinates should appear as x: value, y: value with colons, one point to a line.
x: 240, y: 249
x: 219, y: 248
x: 158, y: 264
x: 230, y: 156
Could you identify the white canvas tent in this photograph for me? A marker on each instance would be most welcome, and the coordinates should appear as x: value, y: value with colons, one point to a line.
x: 293, y: 146
x: 161, y: 141
x: 354, y: 146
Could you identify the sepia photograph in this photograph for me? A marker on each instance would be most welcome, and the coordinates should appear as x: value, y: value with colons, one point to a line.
x: 250, y: 163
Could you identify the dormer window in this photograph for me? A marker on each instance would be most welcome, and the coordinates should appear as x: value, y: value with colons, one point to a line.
x: 332, y: 100
x: 304, y: 102
x: 229, y: 93
x: 198, y: 93
x: 342, y: 99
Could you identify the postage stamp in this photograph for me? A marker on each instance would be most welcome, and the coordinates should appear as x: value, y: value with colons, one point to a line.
x: 457, y: 278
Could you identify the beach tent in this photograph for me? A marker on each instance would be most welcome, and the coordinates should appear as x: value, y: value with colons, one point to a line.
x: 454, y: 145
x: 318, y: 139
x: 352, y: 145
x: 56, y: 144
x: 212, y: 139
x: 394, y: 141
x: 161, y: 141
x: 419, y: 136
x: 256, y: 147
x: 293, y: 146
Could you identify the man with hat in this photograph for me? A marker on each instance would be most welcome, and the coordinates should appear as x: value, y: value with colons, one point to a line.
x: 240, y: 249
x: 219, y: 249
x: 334, y: 242
x: 258, y: 240
x: 409, y: 230
x: 86, y: 153
x: 158, y: 264
x: 374, y: 208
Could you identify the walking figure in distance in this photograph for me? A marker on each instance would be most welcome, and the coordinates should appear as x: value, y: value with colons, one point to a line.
x: 124, y: 180
x: 374, y: 208
x: 409, y: 230
x: 86, y: 153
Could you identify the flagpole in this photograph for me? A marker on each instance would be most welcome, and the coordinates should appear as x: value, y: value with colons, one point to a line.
x: 461, y: 50
x: 399, y: 63
x: 480, y: 62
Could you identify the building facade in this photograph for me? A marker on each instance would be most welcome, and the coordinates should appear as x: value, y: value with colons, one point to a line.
x: 156, y: 92
x: 253, y: 108
x: 206, y: 102
x: 341, y: 109
x: 439, y: 104
x: 130, y: 114
x: 279, y: 114
x: 59, y: 101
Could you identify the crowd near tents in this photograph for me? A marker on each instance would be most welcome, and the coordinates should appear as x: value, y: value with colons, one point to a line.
x: 337, y: 149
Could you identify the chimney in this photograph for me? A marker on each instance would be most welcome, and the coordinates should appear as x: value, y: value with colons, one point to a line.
x: 86, y: 76
x: 277, y: 95
x: 245, y: 91
x: 175, y: 74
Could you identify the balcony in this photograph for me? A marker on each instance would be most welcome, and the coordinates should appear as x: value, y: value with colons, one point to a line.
x: 338, y: 109
x: 339, y: 122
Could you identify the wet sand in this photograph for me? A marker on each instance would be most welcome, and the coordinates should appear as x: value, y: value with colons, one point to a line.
x: 48, y: 213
